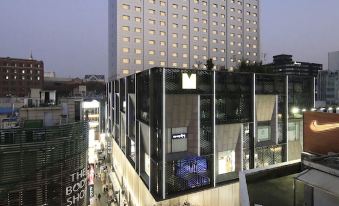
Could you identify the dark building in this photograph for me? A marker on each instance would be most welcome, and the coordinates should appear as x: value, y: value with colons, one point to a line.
x: 184, y: 130
x: 284, y: 64
x: 41, y: 165
x: 17, y: 76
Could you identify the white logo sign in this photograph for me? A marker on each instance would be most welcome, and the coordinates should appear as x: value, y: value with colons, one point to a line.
x: 189, y: 81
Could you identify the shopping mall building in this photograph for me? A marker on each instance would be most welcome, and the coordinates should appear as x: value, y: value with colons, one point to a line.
x: 182, y: 136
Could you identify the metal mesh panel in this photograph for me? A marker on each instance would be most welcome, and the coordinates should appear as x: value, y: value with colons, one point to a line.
x: 143, y: 98
x: 301, y: 92
x: 269, y: 155
x: 206, y: 127
x: 39, y: 162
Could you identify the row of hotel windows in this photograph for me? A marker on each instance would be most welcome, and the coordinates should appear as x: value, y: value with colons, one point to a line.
x: 22, y: 71
x: 184, y: 8
x: 185, y: 27
x: 184, y: 65
x: 8, y: 77
x: 195, y: 38
x: 162, y: 63
x: 196, y: 20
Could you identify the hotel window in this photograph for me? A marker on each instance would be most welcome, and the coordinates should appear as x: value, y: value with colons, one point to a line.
x: 239, y: 27
x: 151, y: 11
x: 247, y: 53
x: 214, y: 32
x: 204, y: 48
x: 184, y: 27
x: 195, y: 38
x: 214, y: 58
x: 125, y: 17
x: 204, y: 39
x: 151, y: 1
x: 204, y: 30
x: 162, y: 13
x: 125, y: 71
x: 137, y: 19
x: 162, y: 63
x: 175, y: 45
x: 223, y: 24
x: 151, y: 62
x: 162, y: 53
x: 204, y: 57
x: 175, y: 16
x: 204, y: 3
x: 232, y: 51
x: 125, y: 61
x: 175, y: 6
x: 184, y: 65
x: 184, y: 46
x: 162, y: 33
x: 162, y: 43
x: 175, y: 25
x: 247, y: 37
x: 138, y: 9
x: 254, y: 54
x: 204, y: 21
x: 138, y: 51
x: 254, y: 14
x: 174, y: 54
x: 222, y: 41
x: 151, y: 21
x: 175, y: 35
x: 151, y: 32
x: 184, y: 17
x: 232, y: 34
x: 231, y: 43
x: 195, y: 47
x: 232, y: 26
x: 215, y: 49
x: 125, y: 50
x: 248, y: 5
x: 196, y: 29
x: 184, y: 55
x: 222, y: 50
x: 125, y: 39
x: 174, y: 64
x: 222, y: 16
x: 214, y: 14
x: 196, y: 10
x: 239, y: 44
x: 151, y: 52
x: 222, y: 59
x: 239, y: 11
x: 215, y: 41
x: 239, y: 19
x: 125, y: 6
x: 162, y: 3
x: 239, y: 36
x: 215, y: 6
x: 254, y: 46
x: 138, y: 30
x: 232, y: 9
x: 248, y: 13
x: 204, y: 12
x: 184, y: 8
x: 254, y: 6
x: 214, y: 23
x: 138, y: 61
x: 232, y: 18
x: 254, y: 38
x: 125, y: 28
x: 137, y: 40
x: 254, y: 30
x: 239, y: 52
x: 254, y: 22
x: 223, y: 33
x: 195, y: 56
x: 248, y: 21
x: 151, y: 42
x: 196, y: 20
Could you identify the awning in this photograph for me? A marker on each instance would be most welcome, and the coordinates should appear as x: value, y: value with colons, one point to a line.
x: 321, y: 180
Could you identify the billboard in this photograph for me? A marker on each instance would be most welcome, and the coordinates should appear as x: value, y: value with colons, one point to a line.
x: 321, y: 132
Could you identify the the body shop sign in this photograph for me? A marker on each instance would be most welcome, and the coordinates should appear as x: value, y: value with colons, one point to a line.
x: 77, y: 190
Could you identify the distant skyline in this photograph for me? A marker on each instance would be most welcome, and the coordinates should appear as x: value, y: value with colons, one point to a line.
x: 71, y: 36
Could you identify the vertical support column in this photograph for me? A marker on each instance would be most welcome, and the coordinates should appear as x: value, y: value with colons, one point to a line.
x: 213, y: 127
x: 164, y: 133
x: 286, y: 116
x: 254, y: 129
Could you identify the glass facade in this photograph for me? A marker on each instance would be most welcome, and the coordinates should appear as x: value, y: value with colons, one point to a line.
x: 184, y: 130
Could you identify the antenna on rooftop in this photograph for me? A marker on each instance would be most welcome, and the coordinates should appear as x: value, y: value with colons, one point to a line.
x: 31, y: 56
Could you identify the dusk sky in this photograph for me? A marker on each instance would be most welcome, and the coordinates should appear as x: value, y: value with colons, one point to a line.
x: 70, y: 36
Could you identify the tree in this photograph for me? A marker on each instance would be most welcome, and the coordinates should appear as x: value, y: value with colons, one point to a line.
x: 253, y: 67
x: 209, y: 64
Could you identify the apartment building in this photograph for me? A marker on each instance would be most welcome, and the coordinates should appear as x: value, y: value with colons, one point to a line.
x: 181, y: 34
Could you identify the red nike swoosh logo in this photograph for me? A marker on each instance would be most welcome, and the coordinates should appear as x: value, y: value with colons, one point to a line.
x: 315, y: 127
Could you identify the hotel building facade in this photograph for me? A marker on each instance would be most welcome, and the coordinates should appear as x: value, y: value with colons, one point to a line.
x: 181, y: 34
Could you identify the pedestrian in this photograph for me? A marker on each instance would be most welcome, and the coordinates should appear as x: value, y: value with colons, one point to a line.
x: 99, y: 196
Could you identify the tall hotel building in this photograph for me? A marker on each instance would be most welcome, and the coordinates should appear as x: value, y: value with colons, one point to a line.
x: 181, y: 34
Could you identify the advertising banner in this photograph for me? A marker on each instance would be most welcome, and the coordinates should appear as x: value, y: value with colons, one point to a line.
x: 321, y: 132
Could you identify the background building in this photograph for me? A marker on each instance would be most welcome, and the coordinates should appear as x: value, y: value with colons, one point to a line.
x: 184, y: 130
x: 18, y: 76
x: 284, y: 64
x: 333, y: 61
x: 182, y: 34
